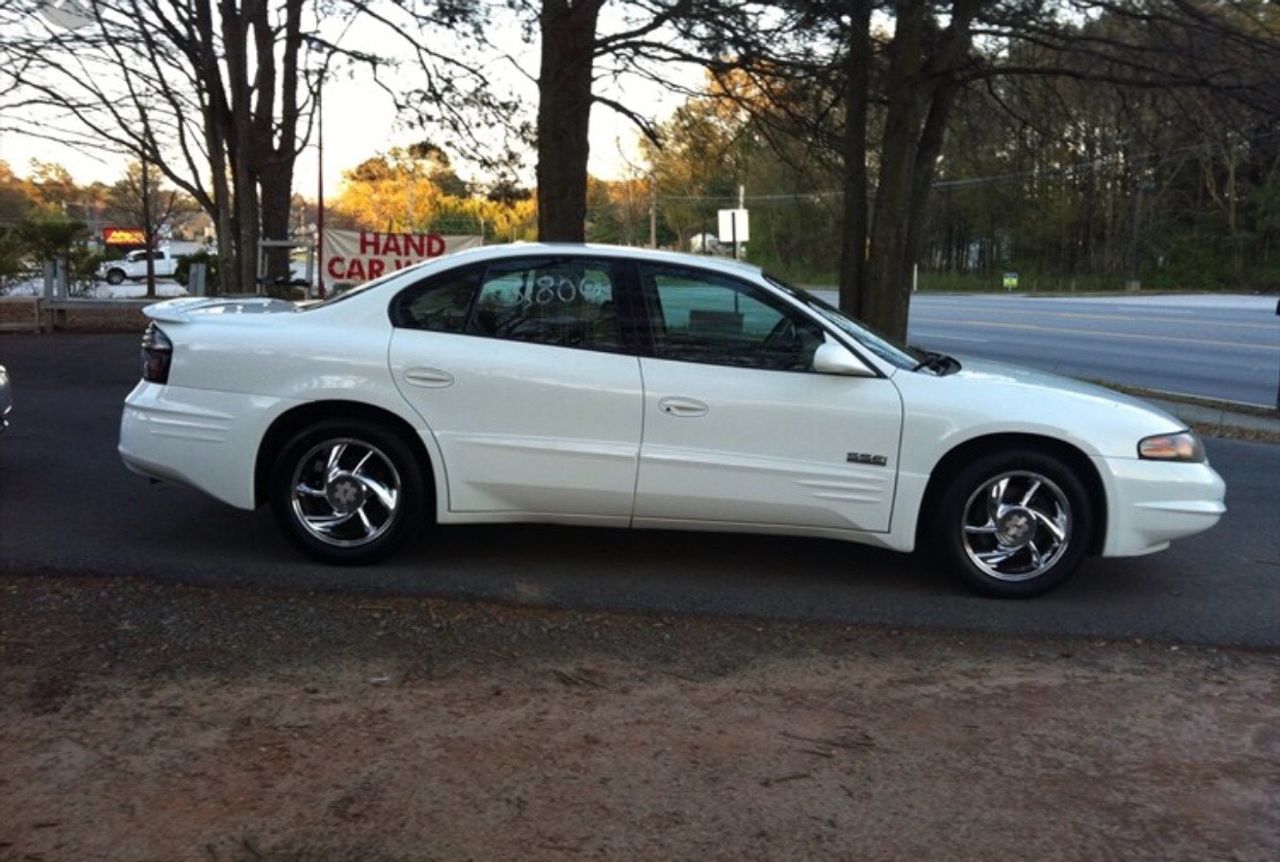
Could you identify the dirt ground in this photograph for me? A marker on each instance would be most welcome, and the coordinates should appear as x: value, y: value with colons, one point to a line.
x: 148, y: 722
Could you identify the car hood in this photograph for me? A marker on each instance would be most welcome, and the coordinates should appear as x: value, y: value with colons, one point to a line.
x: 988, y: 372
x: 985, y: 398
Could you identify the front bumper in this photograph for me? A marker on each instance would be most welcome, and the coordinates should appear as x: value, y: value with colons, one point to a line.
x: 1151, y: 503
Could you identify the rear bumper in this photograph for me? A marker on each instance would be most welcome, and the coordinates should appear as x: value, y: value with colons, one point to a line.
x: 1151, y: 503
x: 201, y: 438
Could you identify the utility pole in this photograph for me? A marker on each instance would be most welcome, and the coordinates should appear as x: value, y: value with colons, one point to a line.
x: 320, y: 183
x: 742, y: 197
x: 653, y: 212
x: 148, y: 228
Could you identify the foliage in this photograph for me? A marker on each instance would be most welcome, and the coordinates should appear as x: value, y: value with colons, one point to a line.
x: 46, y: 237
x: 414, y: 189
x: 1076, y: 175
x: 12, y: 253
x: 212, y: 279
x: 618, y: 212
x: 83, y: 262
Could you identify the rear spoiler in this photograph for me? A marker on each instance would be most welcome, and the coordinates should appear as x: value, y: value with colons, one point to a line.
x: 180, y: 310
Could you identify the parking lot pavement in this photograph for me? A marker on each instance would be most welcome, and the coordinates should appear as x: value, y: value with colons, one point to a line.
x: 67, y: 505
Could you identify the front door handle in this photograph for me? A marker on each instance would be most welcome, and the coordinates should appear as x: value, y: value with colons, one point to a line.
x: 428, y: 377
x: 682, y: 407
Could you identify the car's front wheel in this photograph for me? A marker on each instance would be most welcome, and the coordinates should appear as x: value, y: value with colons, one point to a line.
x: 347, y: 492
x: 115, y: 276
x: 1015, y: 524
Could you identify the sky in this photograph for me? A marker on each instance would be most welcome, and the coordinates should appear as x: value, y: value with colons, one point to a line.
x: 360, y: 120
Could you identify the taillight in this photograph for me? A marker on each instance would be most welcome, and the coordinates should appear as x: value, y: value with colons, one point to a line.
x: 157, y: 354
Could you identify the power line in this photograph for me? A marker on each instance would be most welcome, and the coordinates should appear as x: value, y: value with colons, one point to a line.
x: 994, y: 179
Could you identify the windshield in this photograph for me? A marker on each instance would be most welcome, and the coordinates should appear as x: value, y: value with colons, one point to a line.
x: 878, y: 344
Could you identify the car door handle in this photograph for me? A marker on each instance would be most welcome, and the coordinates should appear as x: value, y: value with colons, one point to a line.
x: 684, y: 407
x: 428, y: 377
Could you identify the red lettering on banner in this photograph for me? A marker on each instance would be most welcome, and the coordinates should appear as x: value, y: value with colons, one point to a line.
x: 414, y: 243
x: 369, y: 243
x: 390, y: 245
x: 435, y: 245
x: 355, y: 272
x: 335, y: 269
x: 376, y: 267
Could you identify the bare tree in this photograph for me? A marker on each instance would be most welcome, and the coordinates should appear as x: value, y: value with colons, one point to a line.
x: 219, y: 95
x: 586, y: 44
x: 140, y: 197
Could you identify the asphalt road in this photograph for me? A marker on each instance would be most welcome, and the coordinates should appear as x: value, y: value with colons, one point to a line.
x: 1214, y: 346
x: 67, y: 505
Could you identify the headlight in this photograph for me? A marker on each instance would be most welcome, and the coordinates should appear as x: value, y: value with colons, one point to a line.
x: 1183, y: 446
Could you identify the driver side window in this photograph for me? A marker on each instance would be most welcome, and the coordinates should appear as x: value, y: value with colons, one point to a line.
x: 704, y: 317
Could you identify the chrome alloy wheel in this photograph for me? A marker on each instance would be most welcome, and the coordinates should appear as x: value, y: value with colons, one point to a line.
x: 345, y: 492
x: 1016, y: 526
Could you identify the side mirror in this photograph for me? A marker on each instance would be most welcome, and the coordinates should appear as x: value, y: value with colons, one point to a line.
x: 832, y: 357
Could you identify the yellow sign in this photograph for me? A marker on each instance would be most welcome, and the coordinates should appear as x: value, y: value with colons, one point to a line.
x: 124, y: 236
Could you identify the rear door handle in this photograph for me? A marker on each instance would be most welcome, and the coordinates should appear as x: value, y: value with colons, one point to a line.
x: 428, y: 377
x: 682, y: 407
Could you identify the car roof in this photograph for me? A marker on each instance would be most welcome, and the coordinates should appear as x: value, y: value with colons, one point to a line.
x: 521, y: 249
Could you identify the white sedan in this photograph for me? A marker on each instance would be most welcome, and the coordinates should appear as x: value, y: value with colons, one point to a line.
x: 628, y: 388
x: 6, y: 398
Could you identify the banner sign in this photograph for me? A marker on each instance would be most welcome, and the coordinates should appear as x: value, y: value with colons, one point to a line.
x: 123, y: 236
x: 353, y: 256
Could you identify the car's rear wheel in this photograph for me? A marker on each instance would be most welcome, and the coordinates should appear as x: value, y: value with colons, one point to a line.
x: 347, y: 491
x: 1015, y: 524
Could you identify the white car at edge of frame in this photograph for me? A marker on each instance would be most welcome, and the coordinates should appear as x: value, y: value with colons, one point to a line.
x: 6, y: 398
x: 587, y: 385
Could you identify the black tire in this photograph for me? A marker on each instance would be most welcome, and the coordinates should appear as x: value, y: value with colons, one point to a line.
x: 977, y: 545
x: 115, y: 276
x: 343, y: 501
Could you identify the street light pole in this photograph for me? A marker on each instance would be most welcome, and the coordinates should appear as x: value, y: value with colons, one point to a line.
x: 320, y: 183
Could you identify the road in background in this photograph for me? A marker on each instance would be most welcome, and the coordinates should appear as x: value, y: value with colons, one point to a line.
x: 67, y: 505
x: 1223, y: 347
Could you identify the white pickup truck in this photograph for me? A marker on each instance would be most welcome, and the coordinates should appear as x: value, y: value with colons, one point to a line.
x: 134, y: 265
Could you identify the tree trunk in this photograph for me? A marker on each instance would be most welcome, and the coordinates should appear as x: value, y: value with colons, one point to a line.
x: 853, y: 245
x: 564, y: 113
x: 921, y: 90
x: 927, y: 152
x: 240, y: 152
x: 277, y: 193
x: 885, y: 302
x: 273, y: 145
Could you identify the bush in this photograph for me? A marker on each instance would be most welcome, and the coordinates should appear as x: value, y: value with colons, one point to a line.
x: 212, y: 281
x: 12, y: 252
x: 83, y: 262
x: 51, y: 236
